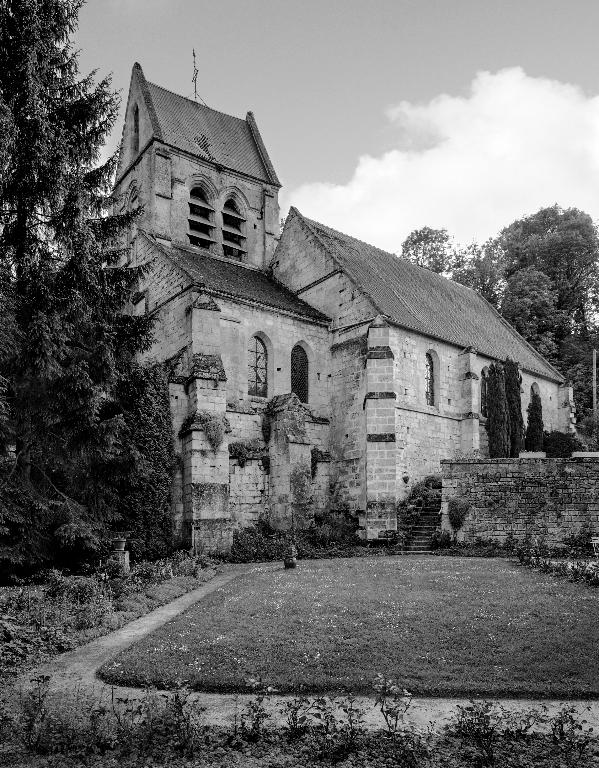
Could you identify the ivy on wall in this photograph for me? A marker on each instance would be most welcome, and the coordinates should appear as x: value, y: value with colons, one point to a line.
x: 144, y: 496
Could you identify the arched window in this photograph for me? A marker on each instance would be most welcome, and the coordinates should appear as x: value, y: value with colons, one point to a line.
x: 484, y: 393
x: 135, y: 136
x: 429, y: 379
x: 233, y: 237
x: 200, y: 219
x: 299, y: 373
x: 257, y: 368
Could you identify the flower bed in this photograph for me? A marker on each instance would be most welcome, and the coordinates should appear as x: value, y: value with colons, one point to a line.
x: 38, y: 621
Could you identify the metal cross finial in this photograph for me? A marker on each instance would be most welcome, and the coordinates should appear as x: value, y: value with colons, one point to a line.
x: 194, y: 79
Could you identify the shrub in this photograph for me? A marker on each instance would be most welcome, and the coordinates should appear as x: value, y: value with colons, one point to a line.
x: 243, y: 450
x: 579, y: 544
x: 458, y: 510
x: 425, y: 496
x: 213, y: 424
x: 558, y: 445
x: 440, y: 540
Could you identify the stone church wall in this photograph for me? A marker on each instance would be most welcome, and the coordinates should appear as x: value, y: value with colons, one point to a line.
x: 425, y: 433
x: 280, y: 333
x: 548, y: 499
x: 249, y: 490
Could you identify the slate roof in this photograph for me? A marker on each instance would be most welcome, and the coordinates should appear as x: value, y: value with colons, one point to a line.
x: 232, y: 279
x: 214, y: 136
x: 420, y: 300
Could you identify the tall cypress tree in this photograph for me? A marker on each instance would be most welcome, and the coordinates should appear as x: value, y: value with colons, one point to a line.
x: 513, y: 382
x: 534, y: 429
x: 70, y: 343
x: 498, y: 418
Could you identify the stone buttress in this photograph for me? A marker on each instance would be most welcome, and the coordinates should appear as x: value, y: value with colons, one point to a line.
x: 469, y: 426
x: 380, y: 438
x: 206, y: 467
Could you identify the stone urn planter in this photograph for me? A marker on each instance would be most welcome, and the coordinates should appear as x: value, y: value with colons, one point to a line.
x: 118, y: 544
x: 290, y: 556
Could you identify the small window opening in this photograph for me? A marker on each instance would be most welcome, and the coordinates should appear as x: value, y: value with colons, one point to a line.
x: 484, y: 388
x: 299, y: 373
x: 429, y: 379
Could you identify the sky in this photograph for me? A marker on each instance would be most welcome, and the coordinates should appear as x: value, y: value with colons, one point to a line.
x: 384, y: 116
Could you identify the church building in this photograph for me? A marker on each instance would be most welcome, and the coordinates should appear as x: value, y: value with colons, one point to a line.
x: 308, y: 369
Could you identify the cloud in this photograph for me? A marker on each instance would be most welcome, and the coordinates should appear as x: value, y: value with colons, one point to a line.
x: 471, y: 164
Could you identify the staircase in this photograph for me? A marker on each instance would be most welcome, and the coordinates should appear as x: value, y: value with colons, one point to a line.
x: 419, y: 541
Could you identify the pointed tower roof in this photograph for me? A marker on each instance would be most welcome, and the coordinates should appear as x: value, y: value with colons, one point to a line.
x: 231, y: 142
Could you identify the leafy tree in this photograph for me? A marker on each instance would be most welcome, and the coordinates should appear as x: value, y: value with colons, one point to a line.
x: 498, y: 415
x: 534, y: 429
x: 564, y: 245
x: 430, y: 248
x: 68, y: 343
x: 529, y: 304
x: 481, y: 268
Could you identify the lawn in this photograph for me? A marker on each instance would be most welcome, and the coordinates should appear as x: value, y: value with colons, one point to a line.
x: 441, y: 625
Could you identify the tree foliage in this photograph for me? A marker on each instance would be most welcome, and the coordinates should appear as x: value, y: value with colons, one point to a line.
x: 534, y: 429
x: 498, y: 414
x: 66, y: 345
x: 481, y: 268
x: 430, y: 248
x: 513, y: 380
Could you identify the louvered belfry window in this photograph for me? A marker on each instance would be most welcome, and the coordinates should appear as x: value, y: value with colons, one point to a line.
x: 429, y: 379
x: 257, y: 368
x: 200, y: 220
x: 299, y: 373
x: 233, y: 237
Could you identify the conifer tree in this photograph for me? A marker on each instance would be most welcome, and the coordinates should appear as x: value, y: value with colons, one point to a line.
x: 534, y: 429
x: 498, y: 418
x: 69, y: 343
x: 513, y: 382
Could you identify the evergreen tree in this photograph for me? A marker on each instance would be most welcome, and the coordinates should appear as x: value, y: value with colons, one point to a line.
x: 69, y: 343
x: 513, y: 382
x: 498, y: 415
x: 534, y: 430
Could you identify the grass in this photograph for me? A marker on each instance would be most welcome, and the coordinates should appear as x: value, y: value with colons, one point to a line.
x: 442, y: 626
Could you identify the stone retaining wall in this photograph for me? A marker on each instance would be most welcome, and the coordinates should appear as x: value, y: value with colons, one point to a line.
x: 549, y: 499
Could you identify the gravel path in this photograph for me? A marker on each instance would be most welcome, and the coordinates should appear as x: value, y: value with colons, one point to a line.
x: 74, y: 673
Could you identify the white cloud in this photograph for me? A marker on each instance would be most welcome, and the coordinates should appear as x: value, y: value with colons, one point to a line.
x: 470, y: 164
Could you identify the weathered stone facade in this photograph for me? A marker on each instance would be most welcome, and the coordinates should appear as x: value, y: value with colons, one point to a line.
x: 367, y: 428
x: 535, y: 498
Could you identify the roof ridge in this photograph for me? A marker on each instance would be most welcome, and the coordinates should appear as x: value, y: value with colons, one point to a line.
x: 261, y: 147
x: 148, y: 100
x: 195, y: 103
